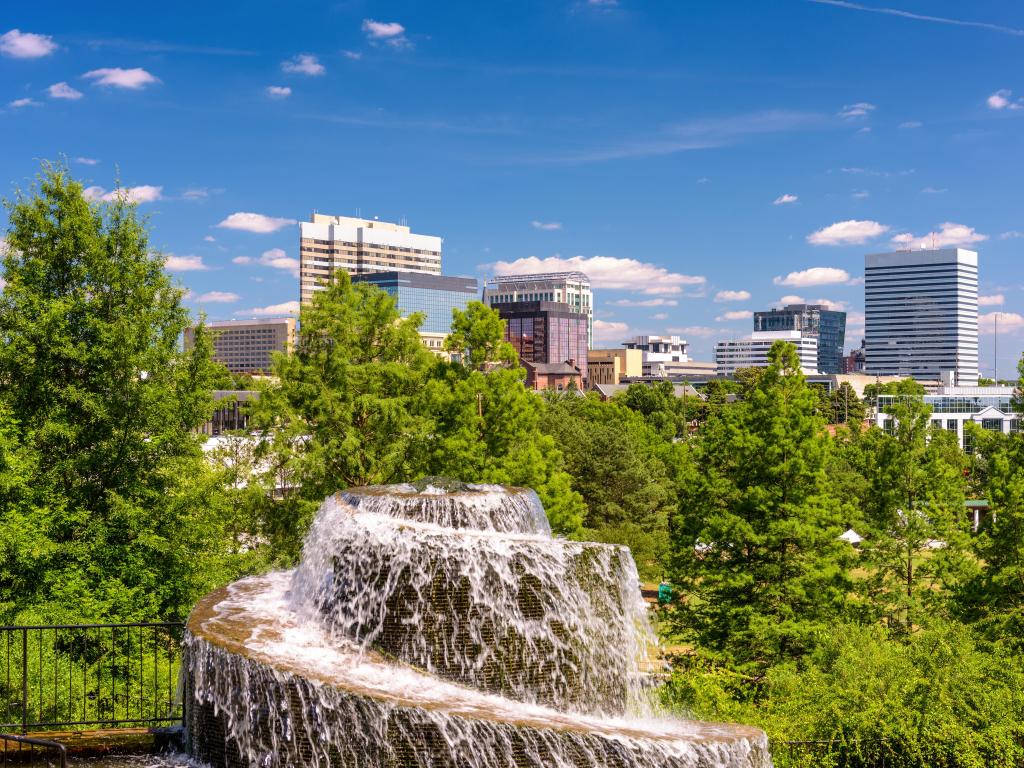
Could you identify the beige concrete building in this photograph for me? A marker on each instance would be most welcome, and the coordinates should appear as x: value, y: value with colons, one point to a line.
x: 608, y: 366
x: 247, y: 346
x: 328, y: 244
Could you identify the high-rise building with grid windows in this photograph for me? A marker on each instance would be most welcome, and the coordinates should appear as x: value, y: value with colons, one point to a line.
x: 328, y: 244
x: 247, y: 346
x: 570, y: 289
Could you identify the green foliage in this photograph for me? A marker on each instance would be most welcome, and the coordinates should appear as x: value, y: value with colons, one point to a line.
x: 662, y: 410
x: 844, y: 407
x: 908, y: 387
x: 478, y: 337
x: 755, y: 541
x: 106, y: 504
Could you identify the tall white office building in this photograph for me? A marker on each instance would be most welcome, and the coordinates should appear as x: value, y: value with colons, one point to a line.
x: 329, y: 244
x: 921, y: 314
x: 752, y: 351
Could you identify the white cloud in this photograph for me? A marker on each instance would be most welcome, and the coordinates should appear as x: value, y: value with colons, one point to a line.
x: 145, y: 193
x: 783, y: 199
x: 62, y: 90
x: 700, y: 331
x: 210, y: 239
x: 911, y: 124
x: 185, y: 264
x: 1003, y: 99
x: 218, y: 297
x: 874, y: 172
x: 603, y: 3
x: 732, y: 296
x: 850, y: 232
x: 304, y: 64
x: 865, y: 129
x: 1013, y: 233
x: 279, y: 91
x: 195, y: 193
x: 1008, y: 322
x: 605, y: 330
x: 790, y: 299
x: 132, y: 79
x: 995, y: 300
x: 255, y: 222
x: 835, y: 306
x: 19, y: 103
x: 644, y: 303
x: 659, y: 316
x: 26, y: 45
x: 353, y: 55
x: 814, y: 276
x: 860, y: 109
x: 608, y: 272
x: 949, y: 234
x: 278, y: 259
x: 547, y: 225
x: 934, y: 190
x: 737, y: 314
x: 860, y: 194
x: 86, y: 161
x: 242, y: 260
x: 390, y: 32
x: 274, y: 310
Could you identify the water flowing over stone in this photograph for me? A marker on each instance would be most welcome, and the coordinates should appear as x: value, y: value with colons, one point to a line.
x: 438, y: 624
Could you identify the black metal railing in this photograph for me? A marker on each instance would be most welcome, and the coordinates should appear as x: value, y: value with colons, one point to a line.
x: 76, y: 676
x: 24, y: 750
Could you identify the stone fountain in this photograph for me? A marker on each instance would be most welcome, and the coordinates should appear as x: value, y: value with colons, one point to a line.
x: 434, y: 625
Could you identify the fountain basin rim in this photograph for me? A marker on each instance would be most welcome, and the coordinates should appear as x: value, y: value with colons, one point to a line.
x: 225, y: 621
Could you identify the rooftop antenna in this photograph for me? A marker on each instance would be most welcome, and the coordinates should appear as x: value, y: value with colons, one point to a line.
x: 359, y: 213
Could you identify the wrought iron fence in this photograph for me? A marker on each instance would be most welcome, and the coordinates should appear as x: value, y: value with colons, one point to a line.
x: 89, y: 675
x: 26, y: 751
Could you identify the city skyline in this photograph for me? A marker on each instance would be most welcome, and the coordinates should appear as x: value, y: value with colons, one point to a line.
x: 697, y: 170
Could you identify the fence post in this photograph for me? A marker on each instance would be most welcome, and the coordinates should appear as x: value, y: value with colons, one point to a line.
x: 24, y: 681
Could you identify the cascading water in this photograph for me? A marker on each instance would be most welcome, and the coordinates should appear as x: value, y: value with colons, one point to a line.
x: 438, y: 624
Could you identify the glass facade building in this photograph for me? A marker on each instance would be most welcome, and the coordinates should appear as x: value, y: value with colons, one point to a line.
x: 435, y: 296
x: 546, y: 332
x: 571, y: 289
x: 815, y: 320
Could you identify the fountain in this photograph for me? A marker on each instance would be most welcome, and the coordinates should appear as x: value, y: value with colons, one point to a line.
x: 438, y: 624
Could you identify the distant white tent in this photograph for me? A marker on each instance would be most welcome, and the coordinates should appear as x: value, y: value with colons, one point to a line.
x: 851, y: 537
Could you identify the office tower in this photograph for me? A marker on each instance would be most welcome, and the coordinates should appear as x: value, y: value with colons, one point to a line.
x: 817, y: 320
x: 435, y: 296
x: 246, y: 346
x: 546, y: 332
x: 921, y: 314
x: 328, y: 244
x: 662, y: 355
x: 571, y: 289
x: 752, y: 351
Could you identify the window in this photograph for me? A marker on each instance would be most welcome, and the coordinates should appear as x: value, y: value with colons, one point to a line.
x: 951, y: 425
x: 992, y: 425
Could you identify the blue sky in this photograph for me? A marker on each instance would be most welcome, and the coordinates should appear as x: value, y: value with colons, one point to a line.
x: 699, y: 159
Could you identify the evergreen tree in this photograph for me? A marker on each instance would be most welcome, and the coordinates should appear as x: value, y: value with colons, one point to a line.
x: 106, y: 505
x: 757, y: 556
x: 478, y: 336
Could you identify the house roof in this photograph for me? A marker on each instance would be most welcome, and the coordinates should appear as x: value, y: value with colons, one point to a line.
x: 553, y: 369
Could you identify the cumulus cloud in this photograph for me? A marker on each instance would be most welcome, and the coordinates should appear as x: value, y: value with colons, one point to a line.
x: 185, y: 263
x: 196, y: 193
x: 62, y: 90
x: 274, y: 310
x: 790, y: 299
x: 732, y: 296
x: 609, y: 272
x: 353, y: 55
x: 1003, y: 99
x: 814, y: 276
x: 949, y: 235
x: 217, y: 297
x: 87, y: 161
x: 659, y: 316
x: 850, y: 232
x: 605, y: 330
x: 255, y: 222
x: 146, y: 193
x: 860, y: 109
x: 278, y: 259
x: 1013, y: 233
x: 784, y: 199
x: 737, y: 314
x: 699, y: 331
x: 547, y: 225
x: 132, y: 79
x: 389, y: 32
x: 19, y: 103
x: 279, y: 91
x: 304, y: 64
x: 644, y: 303
x: 242, y: 260
x: 1008, y: 322
x: 26, y: 45
x: 995, y: 300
